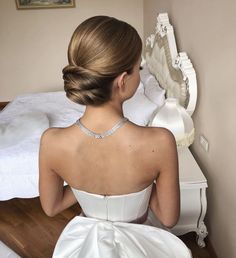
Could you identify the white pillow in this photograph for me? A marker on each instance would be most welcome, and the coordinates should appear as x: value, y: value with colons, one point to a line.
x: 141, y: 87
x: 152, y: 88
x: 139, y: 109
x: 23, y: 126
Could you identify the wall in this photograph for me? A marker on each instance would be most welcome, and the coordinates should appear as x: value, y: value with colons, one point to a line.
x: 206, y: 31
x: 34, y: 42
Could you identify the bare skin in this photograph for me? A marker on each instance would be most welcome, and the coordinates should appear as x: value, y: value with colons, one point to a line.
x: 125, y: 162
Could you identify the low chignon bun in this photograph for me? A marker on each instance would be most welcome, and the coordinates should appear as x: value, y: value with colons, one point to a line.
x: 83, y: 86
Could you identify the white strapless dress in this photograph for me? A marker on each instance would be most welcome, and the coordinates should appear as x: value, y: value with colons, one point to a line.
x: 109, y: 229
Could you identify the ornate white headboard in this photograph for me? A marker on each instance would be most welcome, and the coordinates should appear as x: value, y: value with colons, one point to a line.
x: 174, y: 71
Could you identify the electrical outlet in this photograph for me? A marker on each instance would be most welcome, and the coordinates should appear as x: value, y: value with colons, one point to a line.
x: 204, y: 143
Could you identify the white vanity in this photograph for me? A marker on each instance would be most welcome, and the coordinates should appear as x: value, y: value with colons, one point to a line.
x: 193, y: 186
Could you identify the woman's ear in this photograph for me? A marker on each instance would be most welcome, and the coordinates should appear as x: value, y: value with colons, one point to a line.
x: 121, y: 80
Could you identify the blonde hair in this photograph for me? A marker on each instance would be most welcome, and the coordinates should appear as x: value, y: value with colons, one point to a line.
x: 100, y: 49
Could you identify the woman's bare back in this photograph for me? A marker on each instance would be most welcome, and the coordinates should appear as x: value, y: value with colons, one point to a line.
x: 127, y: 161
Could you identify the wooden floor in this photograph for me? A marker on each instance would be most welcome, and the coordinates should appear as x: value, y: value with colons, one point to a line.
x: 31, y: 234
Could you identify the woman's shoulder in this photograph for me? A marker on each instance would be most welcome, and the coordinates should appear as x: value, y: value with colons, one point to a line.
x: 156, y: 140
x: 51, y: 133
x: 160, y: 134
x: 55, y: 137
x: 152, y: 140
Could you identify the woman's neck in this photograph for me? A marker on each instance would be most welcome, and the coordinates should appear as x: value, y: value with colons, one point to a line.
x: 103, y: 116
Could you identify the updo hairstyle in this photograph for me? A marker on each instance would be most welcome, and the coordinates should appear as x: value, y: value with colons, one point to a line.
x: 100, y: 49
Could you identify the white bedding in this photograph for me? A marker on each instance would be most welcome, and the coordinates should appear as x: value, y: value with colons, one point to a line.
x: 19, y: 162
x: 19, y: 128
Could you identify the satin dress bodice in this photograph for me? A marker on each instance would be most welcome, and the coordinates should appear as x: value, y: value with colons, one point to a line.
x: 130, y: 207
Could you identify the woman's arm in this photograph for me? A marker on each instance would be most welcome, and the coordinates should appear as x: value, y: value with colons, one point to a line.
x: 54, y: 196
x: 165, y: 198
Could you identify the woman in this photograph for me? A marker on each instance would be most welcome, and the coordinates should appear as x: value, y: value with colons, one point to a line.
x: 109, y: 163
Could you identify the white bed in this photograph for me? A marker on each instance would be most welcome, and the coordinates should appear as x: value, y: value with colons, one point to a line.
x: 19, y: 151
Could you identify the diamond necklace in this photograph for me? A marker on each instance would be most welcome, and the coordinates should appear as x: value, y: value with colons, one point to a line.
x: 104, y: 134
